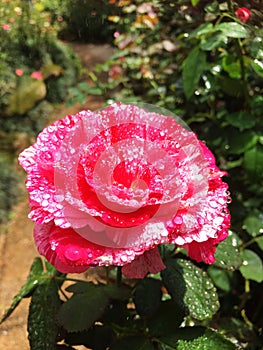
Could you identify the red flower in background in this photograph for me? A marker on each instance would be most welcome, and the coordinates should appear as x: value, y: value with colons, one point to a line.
x: 5, y: 26
x: 37, y: 75
x: 107, y: 187
x: 115, y: 71
x: 19, y: 72
x: 243, y: 14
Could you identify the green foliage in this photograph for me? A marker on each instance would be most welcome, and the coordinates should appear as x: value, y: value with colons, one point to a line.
x: 85, y: 20
x: 252, y: 267
x: 196, y: 338
x: 9, y: 191
x: 42, y: 317
x: 29, y: 44
x: 35, y: 278
x: 190, y: 288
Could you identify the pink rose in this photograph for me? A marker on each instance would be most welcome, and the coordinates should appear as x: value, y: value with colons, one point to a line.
x: 19, y: 72
x: 6, y: 26
x: 37, y: 75
x: 243, y: 14
x: 115, y: 71
x: 107, y: 187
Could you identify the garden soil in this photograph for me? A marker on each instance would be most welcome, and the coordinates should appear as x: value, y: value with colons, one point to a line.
x: 17, y: 249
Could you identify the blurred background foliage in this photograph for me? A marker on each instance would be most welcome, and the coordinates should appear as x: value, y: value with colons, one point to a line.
x: 194, y: 58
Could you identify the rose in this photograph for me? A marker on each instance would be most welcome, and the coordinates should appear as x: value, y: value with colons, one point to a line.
x: 243, y: 14
x: 6, y: 26
x: 19, y: 72
x: 107, y: 187
x: 37, y: 75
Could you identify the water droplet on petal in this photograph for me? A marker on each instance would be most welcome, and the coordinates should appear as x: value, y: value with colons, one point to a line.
x: 72, y: 254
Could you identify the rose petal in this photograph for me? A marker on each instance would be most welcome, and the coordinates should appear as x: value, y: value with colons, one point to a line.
x: 149, y: 262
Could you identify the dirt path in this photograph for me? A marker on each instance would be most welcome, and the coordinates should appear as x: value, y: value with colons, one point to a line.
x: 17, y: 249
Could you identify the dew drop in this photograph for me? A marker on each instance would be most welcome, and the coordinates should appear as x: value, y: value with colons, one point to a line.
x: 45, y: 203
x: 124, y: 258
x: 72, y: 254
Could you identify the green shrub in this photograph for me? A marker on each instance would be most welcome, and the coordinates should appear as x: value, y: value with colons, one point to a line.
x: 29, y: 45
x: 9, y: 190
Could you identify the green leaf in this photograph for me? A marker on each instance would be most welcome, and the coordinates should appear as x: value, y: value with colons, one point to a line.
x: 98, y: 337
x: 166, y: 320
x: 191, y: 288
x: 221, y: 278
x: 234, y: 328
x: 74, y: 91
x: 195, y: 2
x: 253, y: 162
x: 196, y: 338
x: 252, y: 267
x: 232, y: 30
x: 213, y: 41
x: 242, y: 120
x: 232, y: 66
x: 132, y: 343
x: 42, y: 327
x: 193, y: 67
x: 147, y: 296
x: 204, y: 28
x: 31, y: 283
x: 253, y: 224
x: 110, y: 290
x: 260, y: 242
x: 90, y: 90
x: 227, y: 255
x: 241, y: 142
x: 257, y: 67
x: 88, y: 304
x: 82, y: 310
x: 232, y: 87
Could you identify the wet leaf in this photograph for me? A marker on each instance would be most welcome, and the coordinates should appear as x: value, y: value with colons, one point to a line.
x: 42, y: 327
x: 191, y: 288
x: 232, y: 30
x: 193, y: 67
x: 147, y: 296
x: 204, y: 28
x: 253, y: 224
x: 227, y: 255
x: 196, y: 338
x: 252, y: 267
x: 32, y: 282
x: 214, y: 41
